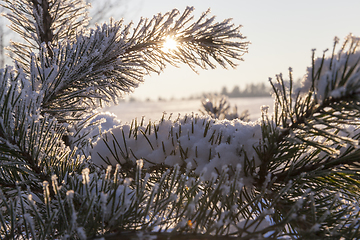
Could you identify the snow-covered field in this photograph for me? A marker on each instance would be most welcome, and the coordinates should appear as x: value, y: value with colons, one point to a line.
x: 127, y: 111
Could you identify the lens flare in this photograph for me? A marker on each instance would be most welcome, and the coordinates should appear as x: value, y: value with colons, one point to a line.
x: 169, y: 44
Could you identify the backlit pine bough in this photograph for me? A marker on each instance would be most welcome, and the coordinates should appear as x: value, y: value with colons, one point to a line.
x: 69, y: 172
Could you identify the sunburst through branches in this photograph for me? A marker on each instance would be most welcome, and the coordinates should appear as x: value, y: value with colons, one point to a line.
x: 170, y: 44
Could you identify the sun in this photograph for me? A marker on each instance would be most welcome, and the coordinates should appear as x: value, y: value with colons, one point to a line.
x: 169, y: 44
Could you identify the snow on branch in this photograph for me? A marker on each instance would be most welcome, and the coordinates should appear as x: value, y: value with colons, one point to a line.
x: 200, y: 143
x: 31, y: 142
x: 318, y: 123
x: 291, y: 174
x: 329, y: 96
x: 336, y: 76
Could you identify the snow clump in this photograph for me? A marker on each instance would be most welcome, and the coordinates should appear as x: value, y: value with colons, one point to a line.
x: 205, y: 143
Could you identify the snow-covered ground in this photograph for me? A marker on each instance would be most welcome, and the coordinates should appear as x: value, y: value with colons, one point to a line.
x: 127, y: 111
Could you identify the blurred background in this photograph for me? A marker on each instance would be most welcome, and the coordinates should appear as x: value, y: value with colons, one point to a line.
x: 282, y: 34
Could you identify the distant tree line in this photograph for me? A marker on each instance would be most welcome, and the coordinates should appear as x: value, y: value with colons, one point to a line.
x: 254, y: 90
x: 251, y: 90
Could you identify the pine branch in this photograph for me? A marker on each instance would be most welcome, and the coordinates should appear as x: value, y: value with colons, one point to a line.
x: 103, y: 65
x: 83, y: 207
x: 316, y: 118
x: 192, y: 175
x: 30, y: 144
x: 311, y: 142
x: 350, y: 160
x: 45, y: 21
x: 118, y: 60
x: 196, y: 42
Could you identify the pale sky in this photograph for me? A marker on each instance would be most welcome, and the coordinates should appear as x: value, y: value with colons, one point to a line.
x: 282, y: 34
